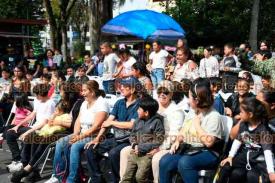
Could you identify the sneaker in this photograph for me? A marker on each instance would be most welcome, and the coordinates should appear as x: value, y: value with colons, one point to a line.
x: 53, y: 179
x: 17, y: 176
x: 15, y: 167
x: 34, y: 176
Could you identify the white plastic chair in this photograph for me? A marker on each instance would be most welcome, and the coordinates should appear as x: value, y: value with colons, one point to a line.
x: 97, y: 79
x: 227, y: 125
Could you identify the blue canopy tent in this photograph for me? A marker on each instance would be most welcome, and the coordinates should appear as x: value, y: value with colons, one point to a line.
x: 144, y: 24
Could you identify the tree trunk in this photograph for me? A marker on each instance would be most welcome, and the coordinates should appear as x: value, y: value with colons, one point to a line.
x: 254, y: 25
x: 100, y: 13
x: 64, y: 46
x: 52, y: 23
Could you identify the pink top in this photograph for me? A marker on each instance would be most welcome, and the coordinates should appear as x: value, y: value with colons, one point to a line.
x: 50, y: 62
x: 21, y: 114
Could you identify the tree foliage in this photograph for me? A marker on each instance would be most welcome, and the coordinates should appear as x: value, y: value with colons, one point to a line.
x: 221, y: 21
x: 22, y: 9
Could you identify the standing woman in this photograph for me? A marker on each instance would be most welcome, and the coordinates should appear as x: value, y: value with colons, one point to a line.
x: 186, y: 68
x: 93, y: 113
x: 201, y: 136
x: 209, y: 65
x: 48, y: 61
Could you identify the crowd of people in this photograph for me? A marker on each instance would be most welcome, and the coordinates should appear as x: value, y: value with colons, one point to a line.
x: 167, y: 116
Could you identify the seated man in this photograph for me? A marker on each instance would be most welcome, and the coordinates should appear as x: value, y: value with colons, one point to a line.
x: 121, y: 121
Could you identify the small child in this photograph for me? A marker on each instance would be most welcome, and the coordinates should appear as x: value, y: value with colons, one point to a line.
x: 61, y: 115
x: 216, y: 85
x: 19, y: 125
x: 147, y: 134
x: 252, y: 147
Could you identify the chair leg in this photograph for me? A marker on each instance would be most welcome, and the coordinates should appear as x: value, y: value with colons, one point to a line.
x: 46, y: 159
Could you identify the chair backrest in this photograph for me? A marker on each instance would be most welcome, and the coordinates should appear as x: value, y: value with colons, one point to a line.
x: 97, y: 79
x: 227, y: 125
x: 111, y: 100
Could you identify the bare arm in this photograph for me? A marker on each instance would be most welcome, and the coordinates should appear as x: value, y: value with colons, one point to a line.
x: 99, y: 119
x: 235, y: 130
x: 90, y: 68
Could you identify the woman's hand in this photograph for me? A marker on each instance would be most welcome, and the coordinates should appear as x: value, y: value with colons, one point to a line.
x: 94, y: 142
x: 272, y: 177
x: 174, y: 147
x: 15, y: 129
x: 74, y: 139
x: 227, y: 160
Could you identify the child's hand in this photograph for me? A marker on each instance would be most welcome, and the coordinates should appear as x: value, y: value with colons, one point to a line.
x: 174, y: 147
x: 136, y: 149
x: 153, y: 152
x: 50, y: 122
x: 228, y: 112
x: 227, y: 160
x: 272, y: 177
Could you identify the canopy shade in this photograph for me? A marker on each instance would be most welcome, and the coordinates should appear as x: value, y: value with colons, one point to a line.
x: 145, y: 24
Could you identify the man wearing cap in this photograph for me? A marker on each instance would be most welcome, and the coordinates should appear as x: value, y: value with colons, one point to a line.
x: 120, y: 123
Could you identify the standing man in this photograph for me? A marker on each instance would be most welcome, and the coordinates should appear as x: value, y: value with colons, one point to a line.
x: 110, y: 62
x: 158, y: 59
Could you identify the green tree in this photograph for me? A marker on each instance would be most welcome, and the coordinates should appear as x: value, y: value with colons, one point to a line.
x: 58, y: 13
x: 220, y: 21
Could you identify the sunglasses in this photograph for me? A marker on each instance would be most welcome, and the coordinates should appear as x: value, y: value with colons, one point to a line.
x: 164, y: 93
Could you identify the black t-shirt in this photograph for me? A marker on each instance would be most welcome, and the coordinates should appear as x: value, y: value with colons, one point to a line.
x: 31, y: 63
x: 256, y: 140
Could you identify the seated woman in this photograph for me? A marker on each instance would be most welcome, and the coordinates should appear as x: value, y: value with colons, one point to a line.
x: 93, y: 113
x: 199, y: 138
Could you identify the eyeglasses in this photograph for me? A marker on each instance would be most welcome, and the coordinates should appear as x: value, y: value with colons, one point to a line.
x: 164, y: 93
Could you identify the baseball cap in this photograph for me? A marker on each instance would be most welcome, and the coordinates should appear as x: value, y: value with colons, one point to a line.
x: 132, y: 82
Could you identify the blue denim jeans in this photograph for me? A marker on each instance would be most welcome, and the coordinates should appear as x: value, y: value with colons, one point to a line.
x: 157, y: 75
x: 187, y: 165
x: 62, y: 147
x: 109, y: 86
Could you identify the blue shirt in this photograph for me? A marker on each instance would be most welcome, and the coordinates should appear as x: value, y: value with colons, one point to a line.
x: 218, y: 104
x: 123, y: 113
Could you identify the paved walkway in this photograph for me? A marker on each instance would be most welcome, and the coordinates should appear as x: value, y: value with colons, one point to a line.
x: 5, y: 159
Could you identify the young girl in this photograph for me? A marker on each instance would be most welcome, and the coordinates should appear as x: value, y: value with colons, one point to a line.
x: 140, y: 71
x: 61, y: 115
x: 23, y: 109
x: 245, y: 160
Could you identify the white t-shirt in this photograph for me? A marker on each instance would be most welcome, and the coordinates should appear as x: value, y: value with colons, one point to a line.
x: 110, y: 62
x: 43, y: 110
x: 87, y: 115
x: 173, y: 120
x: 209, y: 67
x: 127, y: 66
x: 159, y: 59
